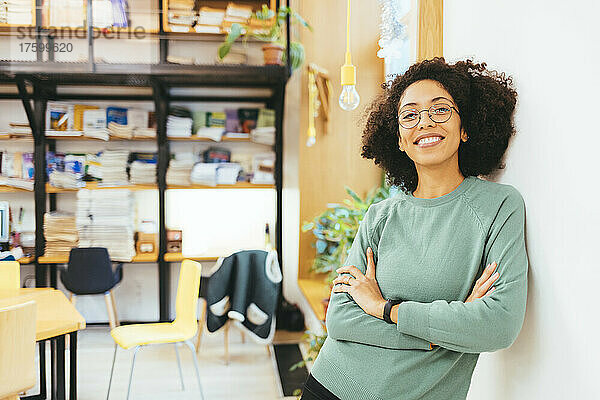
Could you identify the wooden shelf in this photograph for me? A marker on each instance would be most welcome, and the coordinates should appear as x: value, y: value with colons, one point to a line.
x: 239, y: 185
x: 112, y: 139
x: 178, y: 257
x: 315, y: 290
x: 138, y: 258
x: 10, y: 189
x: 96, y: 186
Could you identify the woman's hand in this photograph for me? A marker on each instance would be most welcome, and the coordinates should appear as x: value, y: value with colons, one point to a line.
x: 362, y: 287
x: 483, y: 283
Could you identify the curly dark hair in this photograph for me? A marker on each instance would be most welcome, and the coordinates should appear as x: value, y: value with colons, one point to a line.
x: 486, y: 100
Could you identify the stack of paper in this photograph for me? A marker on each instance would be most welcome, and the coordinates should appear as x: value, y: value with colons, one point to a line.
x: 204, y: 174
x: 141, y: 173
x: 113, y: 166
x: 60, y: 232
x: 236, y: 14
x: 179, y: 126
x: 59, y: 13
x: 94, y: 124
x: 263, y: 166
x: 213, y: 174
x: 105, y: 218
x: 18, y: 12
x: 181, y: 15
x: 263, y: 135
x: 210, y: 20
x: 65, y: 180
x: 120, y: 131
x: 19, y: 129
x: 179, y: 173
x: 144, y: 132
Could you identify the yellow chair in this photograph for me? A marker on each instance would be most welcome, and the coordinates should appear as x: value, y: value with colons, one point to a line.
x: 10, y: 277
x: 182, y: 329
x: 17, y: 349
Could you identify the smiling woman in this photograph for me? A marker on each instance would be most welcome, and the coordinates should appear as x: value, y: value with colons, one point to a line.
x: 438, y: 273
x: 465, y: 105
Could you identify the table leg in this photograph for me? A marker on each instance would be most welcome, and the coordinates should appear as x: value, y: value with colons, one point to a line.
x: 53, y: 370
x: 60, y: 365
x: 73, y: 366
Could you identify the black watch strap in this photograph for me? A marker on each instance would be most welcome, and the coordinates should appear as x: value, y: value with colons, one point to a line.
x: 388, y: 309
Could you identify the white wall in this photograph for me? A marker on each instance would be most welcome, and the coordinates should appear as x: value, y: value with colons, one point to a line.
x: 551, y: 50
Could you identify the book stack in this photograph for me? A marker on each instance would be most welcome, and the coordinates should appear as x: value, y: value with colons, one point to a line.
x: 263, y: 166
x: 102, y: 11
x: 16, y: 12
x: 113, y: 167
x: 210, y: 20
x: 179, y: 173
x: 116, y: 119
x: 210, y: 124
x: 264, y: 132
x: 18, y: 166
x: 142, y: 168
x: 179, y: 122
x: 60, y: 231
x: 236, y: 14
x: 21, y: 129
x: 105, y: 218
x: 59, y: 13
x: 65, y: 180
x: 181, y: 15
x: 94, y: 124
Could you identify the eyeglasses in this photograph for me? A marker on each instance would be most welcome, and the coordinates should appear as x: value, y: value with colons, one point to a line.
x: 438, y: 113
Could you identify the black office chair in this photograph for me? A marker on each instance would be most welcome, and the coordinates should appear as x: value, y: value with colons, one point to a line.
x: 90, y: 272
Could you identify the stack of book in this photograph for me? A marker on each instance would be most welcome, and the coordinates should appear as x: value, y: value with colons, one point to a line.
x: 16, y: 12
x: 113, y: 167
x: 60, y: 232
x: 210, y: 20
x: 263, y: 166
x: 179, y: 173
x: 142, y: 168
x: 21, y: 129
x: 236, y: 14
x: 209, y: 124
x: 264, y: 132
x: 105, y: 218
x: 181, y: 15
x: 179, y: 122
x: 94, y: 124
x: 16, y: 165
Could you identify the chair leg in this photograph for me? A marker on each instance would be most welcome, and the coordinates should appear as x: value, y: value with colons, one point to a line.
x: 111, y: 310
x: 201, y: 324
x: 131, y: 373
x: 112, y: 369
x: 226, y: 342
x: 73, y: 300
x: 179, y: 366
x: 114, y: 307
x: 191, y: 346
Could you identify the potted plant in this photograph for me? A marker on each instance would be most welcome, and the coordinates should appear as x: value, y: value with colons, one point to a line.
x: 270, y: 30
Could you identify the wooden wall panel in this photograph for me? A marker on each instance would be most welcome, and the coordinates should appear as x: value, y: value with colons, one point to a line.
x: 431, y: 29
x: 335, y: 161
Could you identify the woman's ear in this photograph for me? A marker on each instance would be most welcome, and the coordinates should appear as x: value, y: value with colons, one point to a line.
x: 463, y: 135
x: 400, y: 143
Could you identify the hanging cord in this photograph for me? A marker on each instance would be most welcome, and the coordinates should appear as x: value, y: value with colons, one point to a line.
x: 348, y: 60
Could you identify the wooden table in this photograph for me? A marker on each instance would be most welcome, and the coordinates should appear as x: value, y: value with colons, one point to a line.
x: 56, y: 317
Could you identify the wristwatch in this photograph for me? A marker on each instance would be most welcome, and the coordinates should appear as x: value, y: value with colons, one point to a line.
x: 388, y: 309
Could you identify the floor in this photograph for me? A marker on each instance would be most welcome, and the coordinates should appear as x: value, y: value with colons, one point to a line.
x: 249, y: 375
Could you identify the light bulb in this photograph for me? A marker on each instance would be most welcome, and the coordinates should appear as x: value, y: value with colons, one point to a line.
x: 349, y: 97
x: 311, y: 141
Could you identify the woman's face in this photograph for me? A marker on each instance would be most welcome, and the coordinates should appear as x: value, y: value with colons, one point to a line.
x: 445, y: 137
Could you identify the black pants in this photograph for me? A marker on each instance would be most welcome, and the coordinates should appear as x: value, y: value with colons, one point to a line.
x: 313, y: 390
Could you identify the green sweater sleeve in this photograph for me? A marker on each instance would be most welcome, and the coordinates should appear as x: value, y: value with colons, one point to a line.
x: 492, y: 322
x: 345, y: 320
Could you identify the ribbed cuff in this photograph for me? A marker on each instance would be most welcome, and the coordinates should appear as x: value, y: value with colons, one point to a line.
x: 413, y: 319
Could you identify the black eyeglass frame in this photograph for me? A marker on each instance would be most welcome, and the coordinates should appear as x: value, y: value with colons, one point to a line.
x: 429, y: 114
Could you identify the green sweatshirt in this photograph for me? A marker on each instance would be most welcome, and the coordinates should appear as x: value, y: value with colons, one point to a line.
x: 429, y: 253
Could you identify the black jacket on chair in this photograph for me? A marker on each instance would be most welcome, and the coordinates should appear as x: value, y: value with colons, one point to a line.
x: 245, y: 287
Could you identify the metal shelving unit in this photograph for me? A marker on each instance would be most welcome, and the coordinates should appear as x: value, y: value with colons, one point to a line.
x: 38, y: 82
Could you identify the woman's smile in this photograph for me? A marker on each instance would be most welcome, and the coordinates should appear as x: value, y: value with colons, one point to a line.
x: 429, y: 141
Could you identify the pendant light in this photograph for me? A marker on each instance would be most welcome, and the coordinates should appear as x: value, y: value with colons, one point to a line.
x: 349, y: 97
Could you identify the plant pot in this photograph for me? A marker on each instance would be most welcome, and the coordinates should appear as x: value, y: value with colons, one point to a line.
x: 273, y: 54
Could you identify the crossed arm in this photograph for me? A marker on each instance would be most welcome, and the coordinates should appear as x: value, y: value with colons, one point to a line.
x: 488, y: 324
